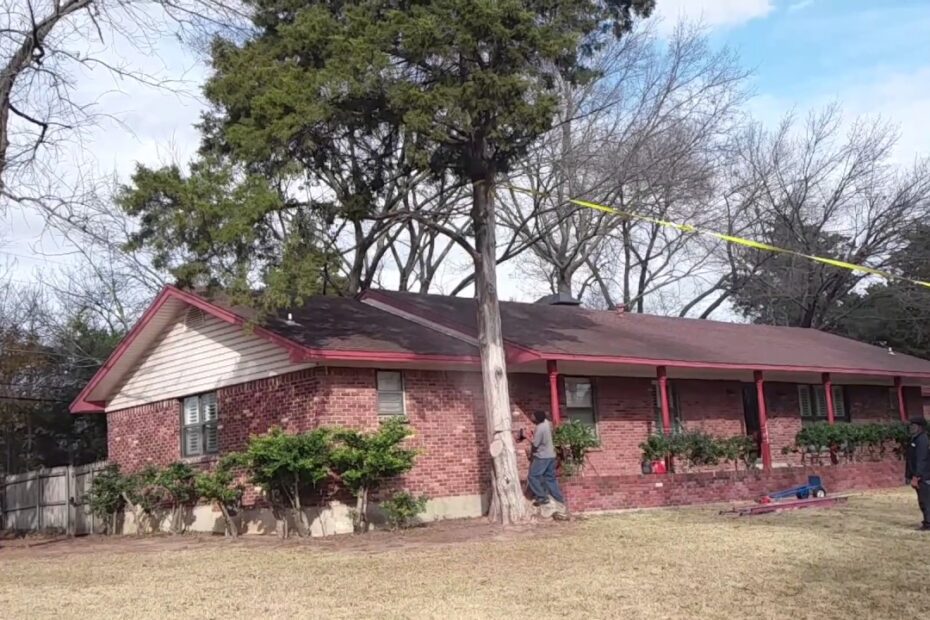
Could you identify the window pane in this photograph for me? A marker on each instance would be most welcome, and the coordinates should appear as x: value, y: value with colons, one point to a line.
x: 191, y: 410
x: 193, y: 441
x: 211, y: 437
x: 577, y: 392
x: 208, y: 407
x: 582, y: 415
x: 390, y: 381
x: 390, y: 403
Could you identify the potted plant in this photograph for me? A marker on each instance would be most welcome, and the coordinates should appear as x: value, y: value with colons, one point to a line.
x: 655, y: 450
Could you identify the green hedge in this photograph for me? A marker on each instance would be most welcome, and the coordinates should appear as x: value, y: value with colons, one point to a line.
x: 850, y: 441
x: 700, y: 449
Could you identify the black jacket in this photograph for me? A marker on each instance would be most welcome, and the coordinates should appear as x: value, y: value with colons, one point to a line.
x: 918, y: 457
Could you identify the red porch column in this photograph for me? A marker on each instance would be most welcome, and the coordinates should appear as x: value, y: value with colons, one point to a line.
x: 662, y: 376
x: 763, y: 422
x: 828, y: 395
x: 902, y: 405
x: 553, y: 367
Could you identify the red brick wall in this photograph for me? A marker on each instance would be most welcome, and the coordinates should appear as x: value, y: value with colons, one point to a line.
x: 871, y: 403
x: 784, y: 414
x: 619, y: 492
x: 144, y: 435
x: 446, y: 414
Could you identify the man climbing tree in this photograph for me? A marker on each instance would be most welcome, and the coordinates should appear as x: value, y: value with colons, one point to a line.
x: 464, y: 87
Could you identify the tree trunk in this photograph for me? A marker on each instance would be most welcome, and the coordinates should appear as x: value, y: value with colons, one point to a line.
x: 232, y: 529
x: 507, y: 502
x: 360, y: 524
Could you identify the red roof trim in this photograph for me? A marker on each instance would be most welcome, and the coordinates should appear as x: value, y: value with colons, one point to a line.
x: 299, y: 353
x: 81, y: 404
x: 515, y: 352
x: 639, y: 361
x: 313, y: 355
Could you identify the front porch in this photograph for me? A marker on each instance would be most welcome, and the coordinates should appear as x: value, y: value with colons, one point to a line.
x: 626, y: 403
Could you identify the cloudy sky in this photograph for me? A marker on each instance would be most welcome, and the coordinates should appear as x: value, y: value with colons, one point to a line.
x: 871, y: 57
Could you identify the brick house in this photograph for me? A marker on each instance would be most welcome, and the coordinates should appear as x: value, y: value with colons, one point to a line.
x: 196, y: 377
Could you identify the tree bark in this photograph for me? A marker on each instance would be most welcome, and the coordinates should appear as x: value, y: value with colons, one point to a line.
x: 507, y: 502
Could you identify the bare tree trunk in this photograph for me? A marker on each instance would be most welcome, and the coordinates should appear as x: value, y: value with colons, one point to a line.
x: 232, y: 528
x: 360, y: 524
x: 507, y: 502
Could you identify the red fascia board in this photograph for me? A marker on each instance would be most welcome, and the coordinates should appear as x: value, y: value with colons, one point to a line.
x: 81, y: 404
x: 638, y: 361
x: 515, y: 352
x: 321, y: 355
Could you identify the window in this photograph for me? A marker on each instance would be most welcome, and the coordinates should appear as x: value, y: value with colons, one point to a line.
x: 812, y: 400
x: 390, y: 393
x: 199, y: 435
x: 674, y: 406
x: 579, y: 401
x: 893, y: 401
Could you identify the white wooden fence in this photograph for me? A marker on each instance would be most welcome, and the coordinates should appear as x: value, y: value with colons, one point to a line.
x: 49, y: 499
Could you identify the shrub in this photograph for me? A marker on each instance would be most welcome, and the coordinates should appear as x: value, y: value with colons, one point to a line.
x: 655, y: 448
x: 574, y: 439
x: 178, y: 491
x: 850, y: 440
x: 700, y: 449
x: 286, y: 466
x: 219, y: 487
x: 107, y: 495
x: 361, y: 461
x: 402, y: 508
x: 143, y: 496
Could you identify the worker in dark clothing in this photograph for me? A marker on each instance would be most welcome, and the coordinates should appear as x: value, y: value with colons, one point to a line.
x: 918, y: 467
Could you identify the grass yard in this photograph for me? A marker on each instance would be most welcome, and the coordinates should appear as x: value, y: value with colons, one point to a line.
x: 863, y: 560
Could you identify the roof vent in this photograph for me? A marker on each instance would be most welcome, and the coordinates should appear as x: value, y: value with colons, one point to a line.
x: 194, y: 317
x: 558, y: 299
x: 620, y: 308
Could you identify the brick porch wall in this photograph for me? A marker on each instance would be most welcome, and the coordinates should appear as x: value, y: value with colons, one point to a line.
x: 620, y: 492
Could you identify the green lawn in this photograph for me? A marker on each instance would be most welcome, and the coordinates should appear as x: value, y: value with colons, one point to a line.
x: 863, y: 560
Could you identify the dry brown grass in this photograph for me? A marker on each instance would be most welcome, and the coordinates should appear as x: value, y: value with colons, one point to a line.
x: 863, y: 560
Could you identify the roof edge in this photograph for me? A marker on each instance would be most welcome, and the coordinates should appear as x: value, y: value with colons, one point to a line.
x: 642, y: 361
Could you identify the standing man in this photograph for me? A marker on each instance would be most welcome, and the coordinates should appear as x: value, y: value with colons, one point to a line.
x: 918, y: 467
x: 542, y: 478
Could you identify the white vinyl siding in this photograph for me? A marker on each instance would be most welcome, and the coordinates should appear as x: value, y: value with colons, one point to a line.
x: 390, y: 393
x: 812, y: 400
x: 198, y: 358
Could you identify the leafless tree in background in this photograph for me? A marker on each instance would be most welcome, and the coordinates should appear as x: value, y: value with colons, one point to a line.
x: 649, y: 137
x: 821, y: 187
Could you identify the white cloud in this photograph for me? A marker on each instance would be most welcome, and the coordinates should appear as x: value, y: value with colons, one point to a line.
x: 800, y: 5
x: 899, y: 97
x: 712, y: 13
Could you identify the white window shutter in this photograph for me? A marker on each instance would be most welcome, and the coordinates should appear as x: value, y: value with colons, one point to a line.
x: 208, y: 407
x: 839, y: 402
x: 804, y: 401
x: 193, y: 442
x: 191, y: 410
x: 211, y: 439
